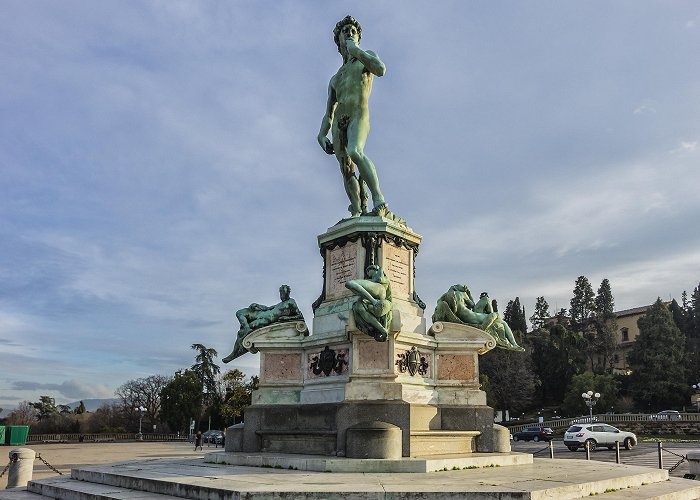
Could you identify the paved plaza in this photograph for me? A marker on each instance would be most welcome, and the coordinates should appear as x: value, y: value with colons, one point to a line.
x: 64, y: 456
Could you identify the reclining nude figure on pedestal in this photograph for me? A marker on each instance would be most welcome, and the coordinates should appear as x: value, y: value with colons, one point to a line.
x: 257, y: 316
x: 457, y: 306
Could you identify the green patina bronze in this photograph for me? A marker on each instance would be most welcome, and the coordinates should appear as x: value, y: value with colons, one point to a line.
x: 347, y: 118
x: 257, y: 316
x: 372, y: 311
x: 457, y: 306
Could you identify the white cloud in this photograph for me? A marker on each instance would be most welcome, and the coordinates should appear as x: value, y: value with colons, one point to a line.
x: 71, y: 389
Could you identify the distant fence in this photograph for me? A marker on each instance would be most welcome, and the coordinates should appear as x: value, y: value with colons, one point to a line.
x: 565, y: 423
x: 101, y: 438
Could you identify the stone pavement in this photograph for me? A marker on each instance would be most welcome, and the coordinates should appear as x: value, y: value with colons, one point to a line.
x: 65, y: 456
x: 185, y: 474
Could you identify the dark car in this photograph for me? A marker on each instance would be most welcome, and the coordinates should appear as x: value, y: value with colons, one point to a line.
x: 220, y: 438
x: 534, y: 433
x: 208, y: 436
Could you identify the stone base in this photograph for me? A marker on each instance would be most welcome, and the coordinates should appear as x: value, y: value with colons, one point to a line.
x: 322, y: 428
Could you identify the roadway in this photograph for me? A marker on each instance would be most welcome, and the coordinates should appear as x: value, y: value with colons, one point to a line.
x: 644, y: 454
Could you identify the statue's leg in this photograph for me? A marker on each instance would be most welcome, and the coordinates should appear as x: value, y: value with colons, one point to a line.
x: 509, y: 334
x: 357, y: 135
x: 352, y: 185
x: 238, y: 349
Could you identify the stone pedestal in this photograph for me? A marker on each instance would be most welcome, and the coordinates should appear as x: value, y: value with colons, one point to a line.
x: 421, y: 385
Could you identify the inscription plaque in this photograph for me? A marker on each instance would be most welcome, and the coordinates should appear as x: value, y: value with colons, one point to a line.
x: 342, y: 266
x: 398, y: 269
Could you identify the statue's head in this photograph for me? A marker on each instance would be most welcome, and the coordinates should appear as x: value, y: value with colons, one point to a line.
x: 346, y: 21
x: 373, y: 270
x: 285, y: 290
x: 483, y: 294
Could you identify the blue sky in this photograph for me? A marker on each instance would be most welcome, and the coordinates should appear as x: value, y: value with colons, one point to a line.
x: 159, y: 166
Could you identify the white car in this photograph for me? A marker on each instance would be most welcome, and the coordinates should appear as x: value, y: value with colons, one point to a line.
x: 597, y: 434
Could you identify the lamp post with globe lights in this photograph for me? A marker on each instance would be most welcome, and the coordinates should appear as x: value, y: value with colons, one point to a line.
x: 696, y: 388
x: 141, y: 409
x: 590, y: 398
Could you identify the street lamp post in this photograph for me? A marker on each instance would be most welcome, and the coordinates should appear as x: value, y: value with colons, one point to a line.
x: 141, y: 409
x: 590, y: 398
x: 696, y: 388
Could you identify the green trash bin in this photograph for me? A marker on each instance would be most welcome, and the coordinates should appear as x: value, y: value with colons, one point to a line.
x: 2, y: 435
x: 16, y: 435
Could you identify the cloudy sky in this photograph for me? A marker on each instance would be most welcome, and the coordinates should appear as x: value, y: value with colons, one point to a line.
x: 159, y: 166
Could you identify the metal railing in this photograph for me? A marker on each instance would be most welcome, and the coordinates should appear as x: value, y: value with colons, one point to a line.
x: 611, y: 418
x: 96, y: 438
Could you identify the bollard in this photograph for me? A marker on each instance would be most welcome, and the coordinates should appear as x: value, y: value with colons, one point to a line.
x: 551, y: 449
x: 588, y: 450
x: 661, y: 457
x: 21, y: 467
x: 617, y: 452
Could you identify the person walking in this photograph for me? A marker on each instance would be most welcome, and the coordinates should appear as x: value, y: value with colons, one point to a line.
x: 198, y: 441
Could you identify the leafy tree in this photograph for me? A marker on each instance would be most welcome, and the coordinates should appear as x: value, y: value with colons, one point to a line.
x: 604, y: 301
x: 46, y: 406
x: 582, y: 303
x: 237, y: 395
x: 514, y: 315
x: 541, y: 315
x: 64, y: 409
x: 107, y: 418
x: 205, y: 367
x: 557, y: 356
x: 511, y: 379
x: 657, y: 361
x: 181, y: 400
x: 601, y: 337
x: 606, y: 385
x: 80, y: 409
x: 693, y: 314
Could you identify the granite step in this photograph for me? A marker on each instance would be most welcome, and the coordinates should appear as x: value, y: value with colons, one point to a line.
x: 19, y: 494
x: 439, y: 442
x: 673, y: 489
x: 430, y: 463
x: 66, y: 488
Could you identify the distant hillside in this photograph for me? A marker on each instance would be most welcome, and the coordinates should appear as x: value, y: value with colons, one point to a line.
x: 93, y: 404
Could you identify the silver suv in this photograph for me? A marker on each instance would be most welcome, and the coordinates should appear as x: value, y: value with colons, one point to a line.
x: 597, y: 434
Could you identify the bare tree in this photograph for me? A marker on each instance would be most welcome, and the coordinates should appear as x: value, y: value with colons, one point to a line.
x: 24, y: 414
x: 142, y: 392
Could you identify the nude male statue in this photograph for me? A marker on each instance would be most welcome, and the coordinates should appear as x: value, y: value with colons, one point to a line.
x: 347, y: 117
x: 256, y: 316
x: 372, y: 311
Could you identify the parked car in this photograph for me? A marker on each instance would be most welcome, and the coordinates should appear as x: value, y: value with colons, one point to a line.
x: 220, y: 438
x: 534, y: 433
x: 597, y: 434
x: 207, y: 436
x: 667, y: 415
